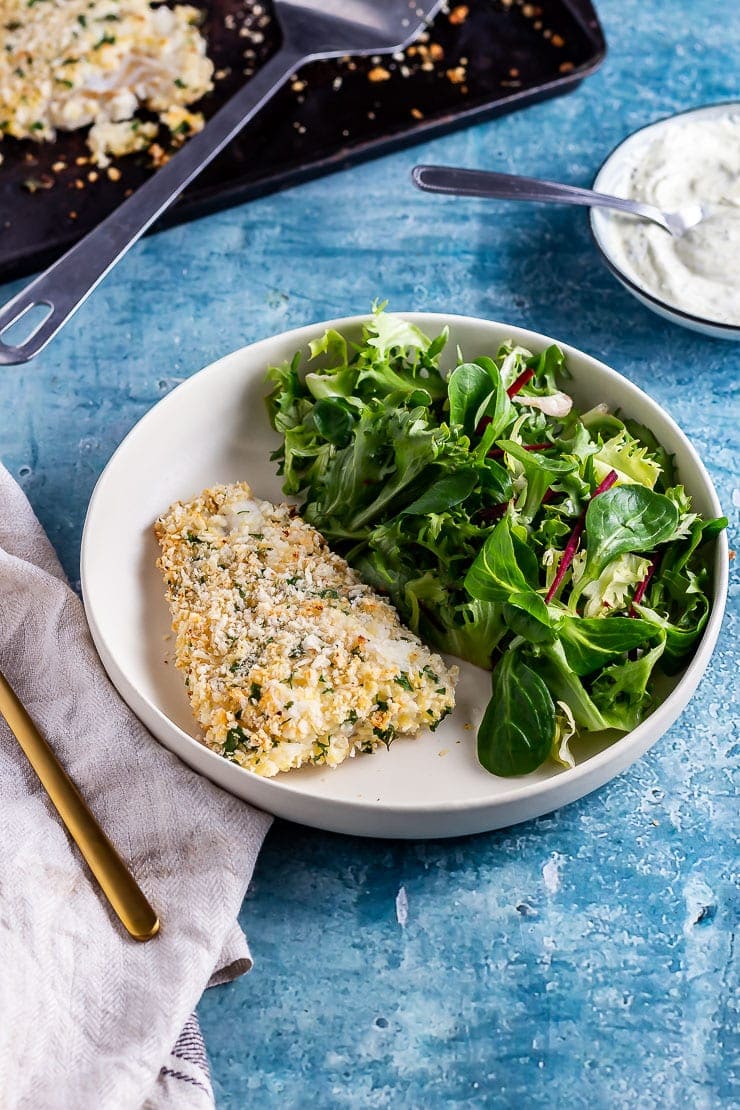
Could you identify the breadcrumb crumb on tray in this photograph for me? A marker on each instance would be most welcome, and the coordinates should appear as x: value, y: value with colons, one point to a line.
x: 288, y: 658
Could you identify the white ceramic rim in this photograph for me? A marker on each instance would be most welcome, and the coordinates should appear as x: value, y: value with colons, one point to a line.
x: 663, y: 308
x: 525, y: 801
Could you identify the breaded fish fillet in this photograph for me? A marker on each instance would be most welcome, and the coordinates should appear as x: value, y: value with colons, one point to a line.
x: 288, y: 658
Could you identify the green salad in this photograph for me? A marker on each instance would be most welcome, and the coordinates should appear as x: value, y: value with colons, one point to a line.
x: 553, y: 547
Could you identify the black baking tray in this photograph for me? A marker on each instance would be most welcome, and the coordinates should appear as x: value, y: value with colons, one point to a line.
x: 481, y: 59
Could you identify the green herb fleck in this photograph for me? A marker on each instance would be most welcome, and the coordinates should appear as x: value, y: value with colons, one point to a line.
x: 234, y: 738
x: 445, y: 713
x: 387, y: 735
x: 323, y: 746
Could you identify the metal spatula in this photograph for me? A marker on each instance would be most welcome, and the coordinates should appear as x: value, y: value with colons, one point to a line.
x: 311, y: 29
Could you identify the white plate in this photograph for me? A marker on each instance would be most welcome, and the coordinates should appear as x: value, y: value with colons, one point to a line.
x: 612, y: 178
x: 214, y: 428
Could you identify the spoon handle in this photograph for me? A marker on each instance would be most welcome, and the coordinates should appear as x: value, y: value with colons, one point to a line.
x: 117, y: 883
x: 506, y: 186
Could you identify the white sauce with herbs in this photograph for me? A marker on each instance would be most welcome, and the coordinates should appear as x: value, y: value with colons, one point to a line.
x: 688, y: 159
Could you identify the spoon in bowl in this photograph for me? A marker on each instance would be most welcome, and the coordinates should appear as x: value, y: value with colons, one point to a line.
x: 506, y: 186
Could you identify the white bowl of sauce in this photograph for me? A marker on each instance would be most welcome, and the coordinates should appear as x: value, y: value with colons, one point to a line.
x: 692, y: 157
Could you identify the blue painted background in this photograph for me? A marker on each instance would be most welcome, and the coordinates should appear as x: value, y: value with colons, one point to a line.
x: 585, y: 958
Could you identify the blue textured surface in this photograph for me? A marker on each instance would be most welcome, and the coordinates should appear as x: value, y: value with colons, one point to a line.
x: 582, y: 959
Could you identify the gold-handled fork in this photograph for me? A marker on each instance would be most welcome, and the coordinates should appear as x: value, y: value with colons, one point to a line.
x: 117, y: 883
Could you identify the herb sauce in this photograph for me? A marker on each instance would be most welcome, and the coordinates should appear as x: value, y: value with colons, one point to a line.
x: 688, y: 159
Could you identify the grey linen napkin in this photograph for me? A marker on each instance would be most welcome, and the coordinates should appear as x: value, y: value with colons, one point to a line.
x: 88, y: 1017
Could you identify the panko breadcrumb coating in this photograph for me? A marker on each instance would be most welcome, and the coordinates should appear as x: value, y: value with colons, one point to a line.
x: 288, y: 658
